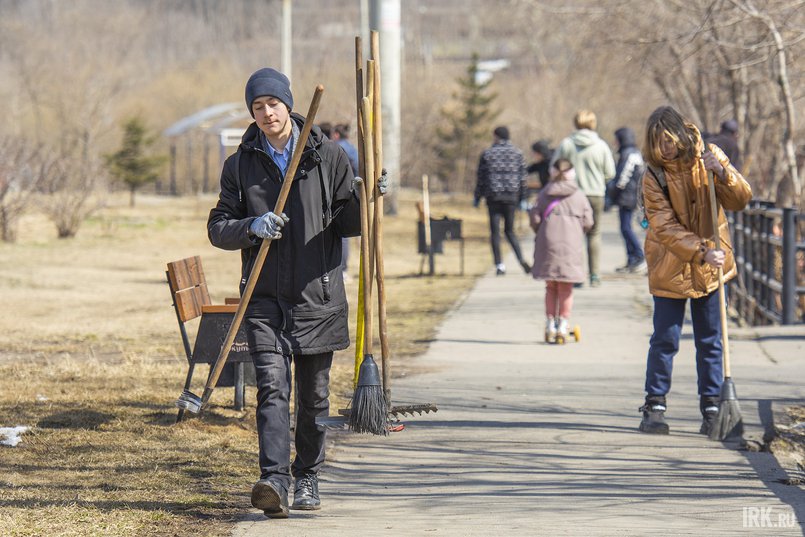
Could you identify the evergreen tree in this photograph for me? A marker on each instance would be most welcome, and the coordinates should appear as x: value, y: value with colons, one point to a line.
x: 130, y: 163
x: 465, y: 128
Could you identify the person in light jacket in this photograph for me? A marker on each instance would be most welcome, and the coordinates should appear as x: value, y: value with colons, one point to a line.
x: 681, y: 257
x: 594, y: 164
x: 560, y: 218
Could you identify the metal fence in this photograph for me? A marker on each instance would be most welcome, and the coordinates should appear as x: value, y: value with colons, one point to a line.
x: 770, y: 255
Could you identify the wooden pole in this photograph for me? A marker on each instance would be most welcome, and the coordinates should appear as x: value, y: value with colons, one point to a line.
x: 377, y: 130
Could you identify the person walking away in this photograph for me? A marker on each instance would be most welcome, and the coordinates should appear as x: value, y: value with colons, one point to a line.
x: 340, y: 136
x: 502, y: 181
x: 727, y: 141
x: 541, y: 166
x: 594, y: 164
x: 628, y: 172
x: 298, y: 311
x: 560, y: 218
x: 682, y: 262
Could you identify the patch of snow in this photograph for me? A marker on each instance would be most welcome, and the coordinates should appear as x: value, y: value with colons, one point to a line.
x: 11, y: 436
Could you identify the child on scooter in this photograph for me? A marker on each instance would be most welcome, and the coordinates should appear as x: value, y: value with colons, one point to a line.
x: 561, y: 218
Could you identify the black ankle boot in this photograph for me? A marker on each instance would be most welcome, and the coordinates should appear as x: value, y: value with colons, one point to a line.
x: 709, y: 408
x: 653, y: 421
x: 306, y: 494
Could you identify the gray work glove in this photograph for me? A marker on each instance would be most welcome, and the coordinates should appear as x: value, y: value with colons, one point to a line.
x: 383, y: 183
x: 268, y: 226
x: 356, y: 182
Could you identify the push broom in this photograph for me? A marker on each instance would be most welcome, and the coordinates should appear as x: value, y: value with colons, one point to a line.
x: 729, y: 422
x: 188, y: 400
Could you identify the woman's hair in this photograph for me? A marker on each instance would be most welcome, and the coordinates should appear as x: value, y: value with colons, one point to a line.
x: 585, y: 119
x: 666, y: 121
x: 562, y: 169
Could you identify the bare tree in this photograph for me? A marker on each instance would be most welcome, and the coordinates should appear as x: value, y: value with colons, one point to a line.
x: 71, y: 189
x: 21, y: 174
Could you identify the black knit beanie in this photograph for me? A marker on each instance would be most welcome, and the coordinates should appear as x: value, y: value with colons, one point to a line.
x: 268, y: 81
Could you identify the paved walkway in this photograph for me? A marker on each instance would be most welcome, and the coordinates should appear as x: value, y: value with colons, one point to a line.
x: 532, y: 439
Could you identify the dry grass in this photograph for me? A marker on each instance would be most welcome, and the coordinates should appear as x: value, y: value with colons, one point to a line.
x: 92, y: 362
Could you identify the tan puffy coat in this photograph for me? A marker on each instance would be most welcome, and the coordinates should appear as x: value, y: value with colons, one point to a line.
x: 680, y: 226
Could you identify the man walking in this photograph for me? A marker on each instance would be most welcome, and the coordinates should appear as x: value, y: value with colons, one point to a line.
x: 502, y: 181
x: 624, y: 194
x: 298, y: 309
x: 594, y: 164
x: 727, y: 141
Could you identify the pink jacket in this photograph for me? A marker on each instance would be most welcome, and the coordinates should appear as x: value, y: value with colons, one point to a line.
x: 559, y: 245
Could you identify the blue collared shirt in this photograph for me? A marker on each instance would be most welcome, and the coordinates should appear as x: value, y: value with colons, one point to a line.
x: 281, y: 158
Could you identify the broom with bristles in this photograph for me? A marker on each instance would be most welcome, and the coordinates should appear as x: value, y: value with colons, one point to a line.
x: 729, y: 422
x: 369, y: 412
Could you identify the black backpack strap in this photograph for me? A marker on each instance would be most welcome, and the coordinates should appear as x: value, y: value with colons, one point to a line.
x: 237, y: 175
x: 327, y: 202
x: 659, y: 173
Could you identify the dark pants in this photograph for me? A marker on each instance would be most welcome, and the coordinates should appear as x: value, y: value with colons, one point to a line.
x: 669, y: 314
x: 634, y: 252
x: 273, y: 412
x: 498, y: 210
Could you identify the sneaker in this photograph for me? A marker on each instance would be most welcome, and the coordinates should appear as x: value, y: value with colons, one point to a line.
x: 625, y: 268
x: 595, y: 281
x: 550, y: 330
x: 709, y: 419
x: 500, y: 269
x: 638, y: 267
x: 306, y: 493
x: 561, y: 329
x: 270, y: 496
x: 526, y: 267
x: 653, y: 421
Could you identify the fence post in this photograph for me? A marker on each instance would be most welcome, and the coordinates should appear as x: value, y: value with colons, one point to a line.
x: 789, y: 265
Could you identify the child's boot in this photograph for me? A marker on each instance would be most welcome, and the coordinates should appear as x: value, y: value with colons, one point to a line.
x: 653, y: 421
x: 550, y: 330
x: 561, y: 330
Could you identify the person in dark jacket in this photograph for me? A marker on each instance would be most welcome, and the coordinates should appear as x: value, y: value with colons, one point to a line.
x: 341, y: 137
x: 501, y: 180
x: 727, y: 141
x: 541, y: 166
x: 298, y: 310
x: 623, y: 193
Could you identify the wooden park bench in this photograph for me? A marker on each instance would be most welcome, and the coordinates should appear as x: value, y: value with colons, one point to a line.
x: 191, y: 299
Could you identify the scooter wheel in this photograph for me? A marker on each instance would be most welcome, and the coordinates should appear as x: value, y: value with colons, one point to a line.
x: 560, y: 340
x: 577, y: 333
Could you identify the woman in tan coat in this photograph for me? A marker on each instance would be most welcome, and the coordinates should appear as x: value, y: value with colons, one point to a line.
x: 682, y: 259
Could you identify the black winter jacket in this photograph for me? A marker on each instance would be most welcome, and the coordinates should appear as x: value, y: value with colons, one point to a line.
x: 298, y: 304
x: 501, y: 174
x: 629, y: 170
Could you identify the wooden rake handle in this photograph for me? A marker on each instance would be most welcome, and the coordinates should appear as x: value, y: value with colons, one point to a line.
x: 220, y: 362
x: 722, y: 303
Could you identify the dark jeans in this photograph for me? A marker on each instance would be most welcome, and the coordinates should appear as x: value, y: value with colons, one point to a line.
x: 669, y: 314
x: 634, y: 252
x: 498, y: 210
x: 273, y: 412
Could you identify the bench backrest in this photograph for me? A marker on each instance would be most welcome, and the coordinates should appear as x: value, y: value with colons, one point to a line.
x: 189, y: 287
